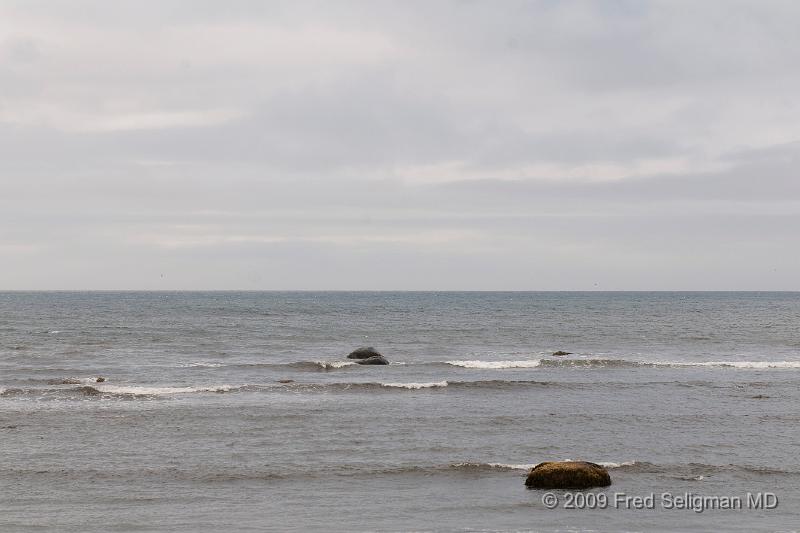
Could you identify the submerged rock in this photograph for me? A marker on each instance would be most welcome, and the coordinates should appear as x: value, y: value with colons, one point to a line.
x: 285, y: 381
x: 89, y: 391
x: 364, y: 353
x: 560, y: 352
x: 374, y: 360
x: 100, y: 379
x: 567, y: 475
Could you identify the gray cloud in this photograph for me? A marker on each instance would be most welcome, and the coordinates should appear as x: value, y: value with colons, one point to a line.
x: 409, y: 145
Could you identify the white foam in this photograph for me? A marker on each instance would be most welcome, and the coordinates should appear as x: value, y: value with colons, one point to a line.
x: 159, y: 391
x: 513, y: 467
x: 616, y: 465
x: 743, y: 365
x: 528, y: 466
x: 605, y: 464
x: 751, y: 364
x: 416, y: 385
x: 335, y: 364
x: 496, y: 365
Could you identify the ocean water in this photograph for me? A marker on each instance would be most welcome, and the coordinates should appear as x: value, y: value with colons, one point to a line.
x: 198, y: 428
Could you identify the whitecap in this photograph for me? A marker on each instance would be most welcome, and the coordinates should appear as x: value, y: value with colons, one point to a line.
x: 608, y: 464
x: 513, y: 466
x: 158, y: 391
x: 335, y: 364
x: 496, y: 365
x: 416, y: 385
x: 743, y: 365
x: 604, y: 464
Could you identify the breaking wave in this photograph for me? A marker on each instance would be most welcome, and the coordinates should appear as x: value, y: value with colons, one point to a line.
x: 622, y: 363
x: 476, y: 364
x: 157, y: 391
x: 309, y: 366
x: 493, y: 365
x: 758, y: 365
x: 214, y: 474
x: 107, y: 391
x: 416, y: 385
x: 527, y: 466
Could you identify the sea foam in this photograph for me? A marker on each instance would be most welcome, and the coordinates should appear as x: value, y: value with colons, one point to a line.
x: 749, y: 364
x: 158, y: 391
x: 527, y: 466
x: 416, y: 385
x: 495, y: 365
x: 335, y: 364
x: 612, y: 363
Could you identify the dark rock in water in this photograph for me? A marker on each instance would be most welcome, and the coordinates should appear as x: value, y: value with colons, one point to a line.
x: 760, y: 397
x: 364, y: 353
x: 562, y: 353
x: 100, y: 379
x: 567, y: 475
x: 374, y: 360
x: 89, y: 391
x: 285, y: 381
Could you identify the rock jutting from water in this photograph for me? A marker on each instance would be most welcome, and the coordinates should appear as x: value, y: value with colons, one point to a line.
x: 364, y: 353
x: 567, y: 475
x: 374, y: 360
x: 561, y: 352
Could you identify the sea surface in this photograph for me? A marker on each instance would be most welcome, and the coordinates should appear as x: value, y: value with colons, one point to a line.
x: 197, y: 426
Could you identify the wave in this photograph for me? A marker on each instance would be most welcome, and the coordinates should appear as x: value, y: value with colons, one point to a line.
x: 475, y: 364
x: 396, y: 386
x: 682, y: 471
x: 309, y: 366
x: 528, y: 466
x: 622, y: 363
x: 89, y: 380
x: 328, y: 365
x: 108, y: 391
x: 699, y: 471
x: 83, y: 388
x: 157, y: 391
x: 416, y: 385
x: 494, y: 365
x: 758, y: 365
x: 211, y: 474
x: 71, y: 381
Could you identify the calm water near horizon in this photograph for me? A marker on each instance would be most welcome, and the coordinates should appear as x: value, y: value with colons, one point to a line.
x: 238, y: 411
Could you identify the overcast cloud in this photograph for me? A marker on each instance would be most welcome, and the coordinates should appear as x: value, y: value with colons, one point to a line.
x: 400, y: 145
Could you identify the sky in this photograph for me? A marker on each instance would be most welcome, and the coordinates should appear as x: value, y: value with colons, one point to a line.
x: 414, y: 145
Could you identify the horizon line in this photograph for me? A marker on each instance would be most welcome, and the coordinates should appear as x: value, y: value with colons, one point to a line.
x: 413, y: 290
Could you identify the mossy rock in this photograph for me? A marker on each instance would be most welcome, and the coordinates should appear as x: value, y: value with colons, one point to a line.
x: 567, y: 475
